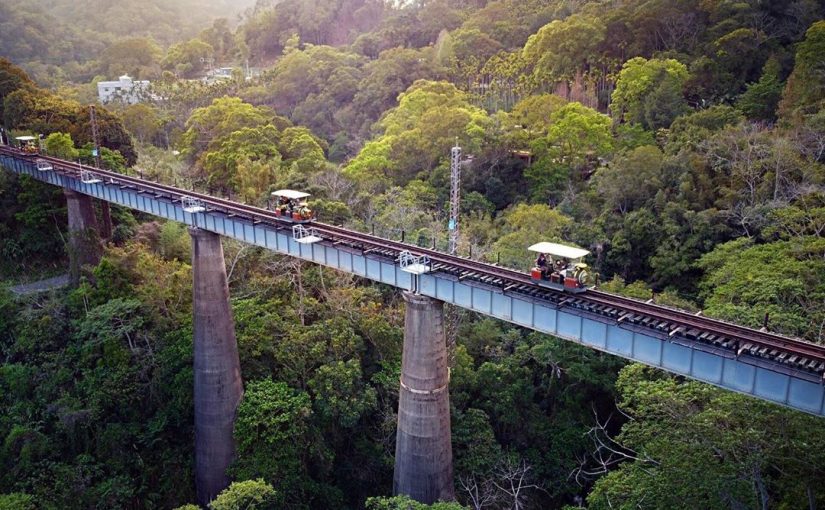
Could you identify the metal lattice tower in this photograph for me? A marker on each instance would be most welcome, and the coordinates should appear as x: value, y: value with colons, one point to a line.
x: 455, y: 196
x: 95, y: 141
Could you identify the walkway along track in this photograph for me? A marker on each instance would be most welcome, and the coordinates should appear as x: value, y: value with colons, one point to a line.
x: 673, y: 324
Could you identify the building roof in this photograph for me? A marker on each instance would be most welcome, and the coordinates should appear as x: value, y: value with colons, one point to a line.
x: 291, y: 194
x: 121, y: 81
x: 559, y: 250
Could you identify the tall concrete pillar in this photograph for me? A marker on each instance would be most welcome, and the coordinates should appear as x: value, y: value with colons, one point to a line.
x: 106, y: 220
x: 423, y: 451
x: 218, y: 387
x: 84, y: 235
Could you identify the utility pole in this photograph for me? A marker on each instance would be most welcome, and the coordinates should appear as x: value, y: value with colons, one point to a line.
x: 95, y: 140
x: 105, y: 209
x: 455, y: 197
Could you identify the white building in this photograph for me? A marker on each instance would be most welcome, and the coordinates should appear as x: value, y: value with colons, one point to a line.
x: 125, y: 89
x: 218, y: 74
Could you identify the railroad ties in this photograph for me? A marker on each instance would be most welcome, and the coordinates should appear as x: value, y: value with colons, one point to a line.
x: 668, y: 324
x: 671, y: 328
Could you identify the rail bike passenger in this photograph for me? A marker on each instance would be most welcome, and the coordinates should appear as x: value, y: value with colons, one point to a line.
x: 292, y: 206
x: 560, y: 267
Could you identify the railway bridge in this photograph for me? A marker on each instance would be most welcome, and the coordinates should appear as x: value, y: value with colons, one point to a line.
x: 779, y: 369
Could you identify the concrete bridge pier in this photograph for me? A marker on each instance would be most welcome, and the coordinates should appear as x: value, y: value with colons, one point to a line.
x: 84, y: 234
x: 423, y: 451
x: 106, y: 220
x: 218, y: 386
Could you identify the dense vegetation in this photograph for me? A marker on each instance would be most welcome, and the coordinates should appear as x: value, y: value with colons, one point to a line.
x: 57, y: 40
x: 683, y: 143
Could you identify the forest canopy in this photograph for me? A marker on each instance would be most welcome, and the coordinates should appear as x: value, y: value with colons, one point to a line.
x: 682, y: 143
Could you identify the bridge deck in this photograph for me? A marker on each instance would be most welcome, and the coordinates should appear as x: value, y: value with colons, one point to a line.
x: 735, y: 358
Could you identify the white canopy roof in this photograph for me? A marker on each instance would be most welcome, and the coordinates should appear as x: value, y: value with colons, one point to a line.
x: 291, y: 194
x: 26, y: 138
x: 559, y: 250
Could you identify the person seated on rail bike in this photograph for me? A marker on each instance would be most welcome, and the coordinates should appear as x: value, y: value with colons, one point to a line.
x: 560, y: 265
x: 541, y: 264
x: 304, y: 210
x: 283, y: 205
x: 29, y: 148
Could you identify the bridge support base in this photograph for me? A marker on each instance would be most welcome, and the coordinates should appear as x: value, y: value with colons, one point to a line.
x: 84, y: 237
x: 218, y: 386
x: 106, y: 220
x: 423, y: 451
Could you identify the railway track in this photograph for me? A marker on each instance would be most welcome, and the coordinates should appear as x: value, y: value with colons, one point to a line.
x: 737, y: 340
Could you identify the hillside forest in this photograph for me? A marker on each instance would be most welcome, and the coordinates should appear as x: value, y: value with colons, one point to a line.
x: 682, y: 143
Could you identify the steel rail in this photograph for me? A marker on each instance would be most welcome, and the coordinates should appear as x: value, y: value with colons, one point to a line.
x: 462, y: 265
x: 678, y: 317
x: 723, y: 327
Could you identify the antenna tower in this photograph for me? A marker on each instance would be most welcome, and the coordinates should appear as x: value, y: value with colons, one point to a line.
x: 105, y: 211
x: 95, y: 141
x: 455, y: 196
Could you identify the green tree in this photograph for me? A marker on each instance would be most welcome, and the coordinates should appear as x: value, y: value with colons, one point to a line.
x: 632, y: 179
x: 418, y: 133
x: 632, y: 136
x: 221, y: 38
x: 535, y: 114
x: 578, y: 133
x: 760, y: 100
x: 472, y: 45
x: 302, y: 151
x: 39, y: 111
x: 143, y: 121
x: 665, y: 103
x: 339, y: 395
x: 12, y: 78
x: 731, y: 449
x: 208, y: 127
x: 17, y: 501
x: 563, y: 48
x: 741, y: 283
x: 750, y: 171
x: 243, y: 160
x: 238, y: 147
x: 638, y: 235
x: 60, y: 145
x: 523, y: 226
x: 804, y: 90
x: 649, y: 92
x: 247, y: 495
x: 384, y: 78
x: 576, y: 138
x: 33, y: 212
x: 688, y: 131
x: 137, y: 56
x: 510, y: 23
x: 188, y: 58
x: 405, y: 503
x: 310, y: 85
x: 273, y: 433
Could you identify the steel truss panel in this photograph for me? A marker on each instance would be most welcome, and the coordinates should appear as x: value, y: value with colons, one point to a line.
x: 751, y: 376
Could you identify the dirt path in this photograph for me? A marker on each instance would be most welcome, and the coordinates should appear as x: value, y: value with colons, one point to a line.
x: 41, y: 286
